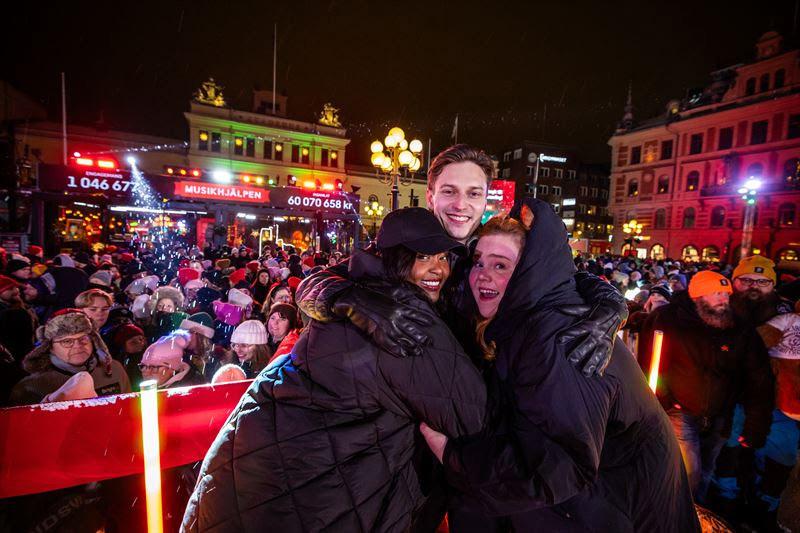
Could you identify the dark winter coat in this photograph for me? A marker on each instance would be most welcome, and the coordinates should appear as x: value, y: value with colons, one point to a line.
x: 564, y: 452
x: 707, y: 370
x: 70, y: 282
x: 324, y: 438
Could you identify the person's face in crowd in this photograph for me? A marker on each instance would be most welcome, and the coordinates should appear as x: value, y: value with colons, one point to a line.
x: 245, y: 352
x: 263, y: 278
x: 277, y: 326
x: 73, y: 349
x: 160, y: 374
x: 458, y: 198
x: 11, y: 296
x: 494, y: 261
x: 282, y: 296
x: 191, y: 294
x: 717, y: 301
x: 715, y: 309
x: 29, y: 293
x: 675, y: 285
x: 430, y: 272
x: 165, y: 305
x: 753, y: 286
x: 114, y: 272
x: 98, y: 310
x: 654, y: 302
x: 23, y: 273
x: 135, y: 344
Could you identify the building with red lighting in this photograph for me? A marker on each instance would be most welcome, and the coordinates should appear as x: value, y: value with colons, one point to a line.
x: 680, y: 175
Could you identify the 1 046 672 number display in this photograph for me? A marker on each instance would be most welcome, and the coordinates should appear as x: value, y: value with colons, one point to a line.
x: 98, y: 184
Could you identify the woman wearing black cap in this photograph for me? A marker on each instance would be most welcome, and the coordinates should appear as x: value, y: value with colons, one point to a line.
x: 325, y: 438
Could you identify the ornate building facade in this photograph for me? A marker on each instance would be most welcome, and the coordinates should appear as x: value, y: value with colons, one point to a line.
x: 682, y: 176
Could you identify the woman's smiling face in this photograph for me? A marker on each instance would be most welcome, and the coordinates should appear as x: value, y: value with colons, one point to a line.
x: 494, y: 261
x: 430, y: 272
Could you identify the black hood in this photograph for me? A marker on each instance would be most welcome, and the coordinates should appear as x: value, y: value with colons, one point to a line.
x: 544, y: 276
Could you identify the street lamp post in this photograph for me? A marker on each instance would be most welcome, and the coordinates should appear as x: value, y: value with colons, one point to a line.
x: 374, y: 210
x: 749, y: 191
x: 633, y: 232
x: 396, y: 160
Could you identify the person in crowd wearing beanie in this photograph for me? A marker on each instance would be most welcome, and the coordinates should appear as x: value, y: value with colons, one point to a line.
x: 238, y: 276
x: 19, y: 268
x: 102, y: 280
x: 165, y: 312
x: 279, y: 293
x: 230, y: 314
x: 190, y: 290
x: 69, y: 345
x: 249, y: 343
x: 187, y: 274
x: 201, y: 348
x: 660, y: 295
x: 229, y: 373
x: 337, y: 388
x: 129, y: 343
x: 163, y: 361
x: 707, y: 364
x: 756, y: 304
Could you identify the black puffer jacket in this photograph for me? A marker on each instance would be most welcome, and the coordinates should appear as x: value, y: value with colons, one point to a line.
x: 707, y: 370
x: 324, y: 438
x: 564, y: 452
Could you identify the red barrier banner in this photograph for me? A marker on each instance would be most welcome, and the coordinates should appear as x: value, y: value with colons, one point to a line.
x: 56, y: 445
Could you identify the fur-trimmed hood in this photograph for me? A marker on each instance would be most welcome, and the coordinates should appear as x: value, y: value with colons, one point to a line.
x: 168, y: 292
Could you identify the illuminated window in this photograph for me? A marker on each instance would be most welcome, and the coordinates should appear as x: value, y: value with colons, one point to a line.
x: 693, y: 180
x: 663, y: 184
x: 710, y: 253
x: 278, y: 152
x: 788, y: 255
x: 238, y: 146
x: 216, y: 141
x: 786, y: 215
x: 203, y: 143
x: 689, y: 253
x: 633, y: 188
x: 335, y: 161
x: 791, y: 171
x: 657, y: 252
x: 305, y: 153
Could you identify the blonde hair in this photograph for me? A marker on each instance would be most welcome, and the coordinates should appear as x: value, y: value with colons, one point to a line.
x: 497, y: 225
x: 85, y: 298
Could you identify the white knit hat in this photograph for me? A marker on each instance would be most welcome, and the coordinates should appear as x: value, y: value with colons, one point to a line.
x: 102, y: 277
x: 250, y: 332
x: 237, y: 297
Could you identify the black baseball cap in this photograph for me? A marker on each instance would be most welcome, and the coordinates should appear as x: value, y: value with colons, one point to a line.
x: 418, y: 230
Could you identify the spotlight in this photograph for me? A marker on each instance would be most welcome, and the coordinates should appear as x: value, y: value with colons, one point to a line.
x: 221, y: 176
x: 131, y: 160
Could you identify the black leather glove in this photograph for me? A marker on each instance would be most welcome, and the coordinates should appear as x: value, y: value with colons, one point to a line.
x: 391, y: 325
x: 596, y: 332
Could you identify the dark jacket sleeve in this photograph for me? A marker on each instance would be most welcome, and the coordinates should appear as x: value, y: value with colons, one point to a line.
x: 550, y: 450
x: 316, y: 294
x: 441, y: 387
x: 593, y: 289
x: 759, y: 395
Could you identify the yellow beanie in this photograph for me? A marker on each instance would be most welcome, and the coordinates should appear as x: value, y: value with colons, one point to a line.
x: 755, y: 264
x: 708, y: 282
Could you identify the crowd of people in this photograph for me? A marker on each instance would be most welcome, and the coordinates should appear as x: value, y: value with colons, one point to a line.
x: 452, y: 367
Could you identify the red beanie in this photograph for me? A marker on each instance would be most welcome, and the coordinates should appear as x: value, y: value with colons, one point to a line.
x: 187, y: 274
x: 110, y: 249
x: 253, y: 266
x: 126, y: 257
x: 35, y: 250
x: 237, y: 276
x: 293, y: 282
x: 8, y: 283
x: 126, y: 332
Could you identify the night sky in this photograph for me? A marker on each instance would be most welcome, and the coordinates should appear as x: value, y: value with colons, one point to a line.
x: 415, y: 64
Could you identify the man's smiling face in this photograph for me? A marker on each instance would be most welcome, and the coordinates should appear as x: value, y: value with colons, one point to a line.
x: 458, y: 198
